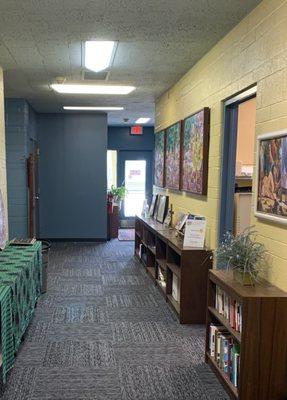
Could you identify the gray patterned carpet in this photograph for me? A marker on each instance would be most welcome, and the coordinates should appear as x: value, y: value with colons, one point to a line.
x: 104, y: 332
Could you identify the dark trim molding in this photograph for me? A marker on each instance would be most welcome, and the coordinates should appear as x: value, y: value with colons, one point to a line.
x: 96, y: 240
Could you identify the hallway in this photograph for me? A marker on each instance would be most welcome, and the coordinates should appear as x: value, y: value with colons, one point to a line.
x: 103, y: 332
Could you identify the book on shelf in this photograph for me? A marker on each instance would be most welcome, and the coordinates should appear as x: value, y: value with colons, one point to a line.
x: 225, y: 351
x: 161, y: 276
x: 175, y: 288
x: 229, y: 308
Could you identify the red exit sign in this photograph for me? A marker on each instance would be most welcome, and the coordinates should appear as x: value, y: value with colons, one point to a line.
x: 136, y: 130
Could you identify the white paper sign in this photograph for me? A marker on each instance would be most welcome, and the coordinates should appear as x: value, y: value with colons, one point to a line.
x: 194, y: 234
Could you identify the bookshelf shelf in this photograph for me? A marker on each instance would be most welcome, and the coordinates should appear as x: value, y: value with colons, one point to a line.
x: 254, y: 367
x: 230, y: 388
x: 167, y: 257
x: 223, y: 321
x: 152, y: 249
x: 151, y: 271
x: 174, y: 268
x: 161, y: 263
x: 175, y: 304
x: 161, y: 286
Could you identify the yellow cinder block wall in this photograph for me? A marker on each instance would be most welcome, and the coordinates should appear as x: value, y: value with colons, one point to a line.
x: 254, y: 52
x: 3, y: 182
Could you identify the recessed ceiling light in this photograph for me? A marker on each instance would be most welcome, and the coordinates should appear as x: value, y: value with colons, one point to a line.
x: 142, y: 120
x: 91, y: 89
x: 80, y: 108
x: 98, y: 55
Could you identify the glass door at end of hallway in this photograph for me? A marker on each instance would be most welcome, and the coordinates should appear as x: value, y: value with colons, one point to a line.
x: 135, y: 172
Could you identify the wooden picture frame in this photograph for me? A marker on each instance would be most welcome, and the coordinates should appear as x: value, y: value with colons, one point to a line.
x: 162, y: 208
x: 159, y: 159
x: 153, y: 205
x: 173, y: 156
x: 195, y: 152
x: 271, y: 180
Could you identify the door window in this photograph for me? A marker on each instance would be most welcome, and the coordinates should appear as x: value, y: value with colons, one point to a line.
x: 135, y: 183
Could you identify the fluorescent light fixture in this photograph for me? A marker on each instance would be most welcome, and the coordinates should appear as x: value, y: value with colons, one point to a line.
x: 98, y: 55
x: 80, y: 108
x: 91, y: 89
x: 142, y: 120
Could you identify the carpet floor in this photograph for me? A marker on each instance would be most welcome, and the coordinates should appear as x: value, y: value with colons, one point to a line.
x: 104, y: 332
x: 126, y: 235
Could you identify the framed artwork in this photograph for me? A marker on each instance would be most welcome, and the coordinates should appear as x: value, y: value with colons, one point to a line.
x: 271, y: 188
x: 195, y: 146
x: 172, y: 156
x: 153, y: 205
x: 159, y: 159
x: 162, y: 208
x: 181, y: 220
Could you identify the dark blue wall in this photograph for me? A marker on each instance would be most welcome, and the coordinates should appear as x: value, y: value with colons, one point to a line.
x: 72, y: 172
x: 119, y: 138
x: 21, y: 133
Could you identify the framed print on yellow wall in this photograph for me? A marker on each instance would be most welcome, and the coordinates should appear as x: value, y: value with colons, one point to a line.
x: 271, y: 188
x: 172, y: 156
x: 195, y: 148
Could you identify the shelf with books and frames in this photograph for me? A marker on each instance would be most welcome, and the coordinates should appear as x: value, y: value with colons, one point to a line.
x: 180, y: 273
x: 246, y: 328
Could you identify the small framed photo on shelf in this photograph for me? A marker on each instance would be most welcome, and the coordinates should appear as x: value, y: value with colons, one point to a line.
x: 181, y: 219
x: 194, y: 232
x: 271, y: 188
x: 162, y: 208
x: 153, y: 205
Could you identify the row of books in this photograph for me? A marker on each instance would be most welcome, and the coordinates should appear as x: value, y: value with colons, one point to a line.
x: 229, y: 308
x: 225, y: 350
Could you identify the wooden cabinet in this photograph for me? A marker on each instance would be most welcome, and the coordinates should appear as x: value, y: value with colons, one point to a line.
x: 261, y: 339
x: 180, y: 273
x: 113, y: 223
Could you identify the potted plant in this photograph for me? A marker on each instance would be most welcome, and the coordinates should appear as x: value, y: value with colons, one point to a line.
x: 117, y: 194
x: 243, y: 254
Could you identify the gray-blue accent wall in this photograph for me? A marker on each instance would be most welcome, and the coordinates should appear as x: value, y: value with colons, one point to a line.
x: 72, y: 176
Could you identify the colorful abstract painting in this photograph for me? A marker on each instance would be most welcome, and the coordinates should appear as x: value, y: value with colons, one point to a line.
x: 272, y: 176
x: 159, y: 159
x: 195, y: 152
x: 172, y: 156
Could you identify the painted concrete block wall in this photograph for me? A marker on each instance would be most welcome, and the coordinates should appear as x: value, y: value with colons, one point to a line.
x: 17, y: 142
x: 73, y: 176
x: 21, y: 134
x: 3, y: 179
x: 119, y: 138
x: 255, y: 51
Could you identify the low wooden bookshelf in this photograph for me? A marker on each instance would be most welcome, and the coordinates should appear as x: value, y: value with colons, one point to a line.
x: 166, y: 260
x: 260, y: 337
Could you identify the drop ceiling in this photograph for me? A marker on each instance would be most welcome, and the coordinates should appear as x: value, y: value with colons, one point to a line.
x: 158, y: 41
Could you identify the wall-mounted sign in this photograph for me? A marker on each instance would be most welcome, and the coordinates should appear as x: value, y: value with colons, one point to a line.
x: 136, y: 130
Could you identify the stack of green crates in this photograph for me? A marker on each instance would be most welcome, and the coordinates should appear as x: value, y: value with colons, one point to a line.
x: 7, y: 343
x: 21, y: 275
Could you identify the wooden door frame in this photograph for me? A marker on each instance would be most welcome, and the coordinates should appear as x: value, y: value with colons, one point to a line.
x: 229, y: 146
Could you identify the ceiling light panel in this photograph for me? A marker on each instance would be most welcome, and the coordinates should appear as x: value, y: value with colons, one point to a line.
x: 92, y: 89
x: 98, y: 55
x: 142, y: 120
x: 82, y: 108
